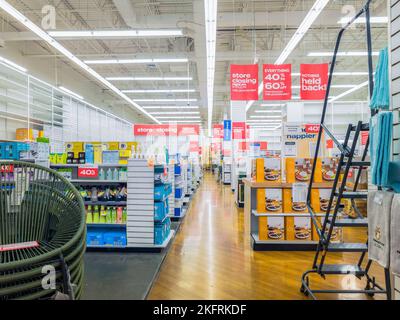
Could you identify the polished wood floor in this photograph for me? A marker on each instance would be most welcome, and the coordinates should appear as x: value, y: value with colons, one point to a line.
x: 211, y: 258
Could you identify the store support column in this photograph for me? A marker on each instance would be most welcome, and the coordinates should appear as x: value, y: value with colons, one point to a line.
x: 238, y: 117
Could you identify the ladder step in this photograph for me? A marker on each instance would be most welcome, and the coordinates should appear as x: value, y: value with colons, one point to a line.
x: 347, y: 247
x: 353, y: 195
x: 358, y: 163
x: 364, y: 127
x: 352, y: 223
x: 342, y: 269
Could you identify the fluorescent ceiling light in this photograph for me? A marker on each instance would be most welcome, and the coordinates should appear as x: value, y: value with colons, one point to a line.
x: 71, y: 92
x: 179, y: 117
x: 268, y: 111
x: 170, y: 107
x: 56, y: 45
x: 364, y: 84
x: 210, y: 10
x: 12, y: 64
x: 165, y: 100
x: 343, y: 86
x: 174, y: 112
x: 342, y: 54
x: 264, y: 121
x: 182, y: 121
x: 116, y: 33
x: 149, y: 78
x: 159, y: 91
x: 273, y: 105
x: 356, y: 73
x: 135, y: 61
x: 309, y: 19
x: 346, y: 20
x: 266, y: 117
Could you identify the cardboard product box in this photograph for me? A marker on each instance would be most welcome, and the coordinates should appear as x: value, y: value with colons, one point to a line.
x: 272, y: 169
x: 112, y: 146
x: 302, y: 228
x: 53, y: 158
x: 329, y: 169
x: 61, y: 158
x: 111, y: 157
x: 74, y: 147
x: 276, y: 228
x: 302, y: 170
x: 299, y: 197
x: 273, y: 200
x: 25, y: 134
x: 98, y: 149
x: 66, y: 173
x: 89, y: 153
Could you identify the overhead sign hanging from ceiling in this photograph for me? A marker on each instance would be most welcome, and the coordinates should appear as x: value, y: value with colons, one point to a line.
x: 313, y: 81
x: 277, y: 82
x: 166, y: 129
x: 244, y: 82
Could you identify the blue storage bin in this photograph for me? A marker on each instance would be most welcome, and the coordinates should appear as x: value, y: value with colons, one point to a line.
x: 159, y: 210
x: 115, y: 239
x: 178, y: 193
x: 178, y: 169
x: 94, y: 238
x: 159, y: 193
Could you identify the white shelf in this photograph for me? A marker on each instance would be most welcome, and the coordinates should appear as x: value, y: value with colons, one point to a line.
x: 258, y: 241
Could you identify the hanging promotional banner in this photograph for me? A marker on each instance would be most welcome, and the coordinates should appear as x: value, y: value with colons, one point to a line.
x: 277, y: 82
x: 313, y: 81
x: 166, y: 129
x: 194, y: 146
x: 218, y: 131
x: 244, y: 82
x: 238, y: 130
x: 243, y: 146
x: 227, y: 130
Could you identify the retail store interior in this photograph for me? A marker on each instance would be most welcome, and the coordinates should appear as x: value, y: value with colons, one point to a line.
x: 199, y: 149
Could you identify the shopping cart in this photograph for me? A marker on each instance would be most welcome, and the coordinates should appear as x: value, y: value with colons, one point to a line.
x: 42, y: 234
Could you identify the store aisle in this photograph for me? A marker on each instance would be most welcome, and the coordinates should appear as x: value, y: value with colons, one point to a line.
x: 211, y: 258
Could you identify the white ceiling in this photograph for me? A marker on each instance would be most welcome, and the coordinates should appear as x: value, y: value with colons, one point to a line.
x: 247, y: 31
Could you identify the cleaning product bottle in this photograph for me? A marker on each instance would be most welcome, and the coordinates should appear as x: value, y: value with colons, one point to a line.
x: 115, y: 174
x: 108, y: 215
x: 113, y: 215
x: 102, y: 175
x: 124, y: 216
x: 109, y: 174
x: 119, y: 215
x: 103, y: 215
x: 96, y: 215
x: 89, y: 215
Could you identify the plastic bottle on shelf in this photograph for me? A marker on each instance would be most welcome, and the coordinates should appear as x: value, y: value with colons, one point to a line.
x: 96, y: 215
x: 113, y: 215
x: 108, y: 215
x: 119, y: 215
x: 103, y: 214
x: 124, y: 216
x: 116, y: 174
x: 89, y: 215
x: 102, y: 175
x: 109, y: 174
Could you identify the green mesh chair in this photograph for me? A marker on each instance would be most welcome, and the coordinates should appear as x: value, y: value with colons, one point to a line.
x: 42, y: 227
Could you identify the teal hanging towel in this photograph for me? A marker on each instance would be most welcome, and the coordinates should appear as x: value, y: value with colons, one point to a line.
x: 380, y: 96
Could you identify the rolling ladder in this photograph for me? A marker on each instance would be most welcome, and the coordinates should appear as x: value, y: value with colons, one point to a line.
x: 341, y: 191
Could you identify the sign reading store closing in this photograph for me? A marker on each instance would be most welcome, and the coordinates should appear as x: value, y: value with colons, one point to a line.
x: 313, y: 81
x: 244, y: 82
x: 277, y: 82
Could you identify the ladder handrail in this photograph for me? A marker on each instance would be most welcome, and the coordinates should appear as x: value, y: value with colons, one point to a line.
x: 365, y: 10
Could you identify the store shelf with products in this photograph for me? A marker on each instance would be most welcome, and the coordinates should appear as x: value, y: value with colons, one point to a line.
x: 179, y: 193
x: 227, y: 171
x: 279, y: 219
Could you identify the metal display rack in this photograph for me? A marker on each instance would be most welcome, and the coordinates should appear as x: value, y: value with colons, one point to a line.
x: 340, y: 191
x: 179, y: 194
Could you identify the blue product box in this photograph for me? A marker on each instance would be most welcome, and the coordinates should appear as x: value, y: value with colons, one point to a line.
x: 115, y: 238
x: 111, y: 157
x: 89, y: 153
x: 94, y: 238
x: 161, y: 231
x: 178, y: 169
x: 11, y: 150
x: 159, y: 210
x: 178, y: 193
x: 159, y: 192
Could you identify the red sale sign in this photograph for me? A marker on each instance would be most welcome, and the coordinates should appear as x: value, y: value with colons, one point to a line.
x: 312, y: 128
x: 188, y: 129
x: 244, y: 82
x: 166, y: 129
x: 313, y: 81
x: 277, y: 82
x: 88, y: 172
x: 218, y: 131
x: 7, y: 168
x: 239, y: 130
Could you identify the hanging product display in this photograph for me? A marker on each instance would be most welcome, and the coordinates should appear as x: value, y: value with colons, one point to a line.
x: 380, y: 96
